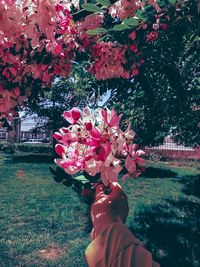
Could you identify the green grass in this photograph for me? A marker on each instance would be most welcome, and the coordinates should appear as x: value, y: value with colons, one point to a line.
x: 44, y: 223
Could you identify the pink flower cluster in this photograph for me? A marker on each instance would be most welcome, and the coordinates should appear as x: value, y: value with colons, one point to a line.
x: 31, y: 31
x: 109, y: 61
x: 94, y: 143
x: 124, y: 8
x: 127, y: 8
x: 38, y: 41
x: 90, y: 22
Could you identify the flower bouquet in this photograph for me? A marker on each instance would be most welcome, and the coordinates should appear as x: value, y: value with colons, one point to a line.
x: 95, y: 146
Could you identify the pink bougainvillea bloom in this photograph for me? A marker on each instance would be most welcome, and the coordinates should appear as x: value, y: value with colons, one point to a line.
x: 72, y: 115
x: 69, y: 166
x: 124, y: 8
x: 109, y: 60
x: 156, y: 26
x: 134, y: 48
x: 93, y: 167
x: 57, y: 70
x: 152, y: 36
x: 130, y: 164
x: 101, y: 152
x: 75, y: 113
x: 58, y: 49
x: 59, y: 8
x: 58, y: 136
x: 95, y: 143
x: 110, y: 170
x: 60, y: 149
x: 88, y: 126
x: 110, y: 117
x: 95, y: 133
x: 135, y: 71
x: 132, y: 35
x: 164, y: 26
x: 131, y: 168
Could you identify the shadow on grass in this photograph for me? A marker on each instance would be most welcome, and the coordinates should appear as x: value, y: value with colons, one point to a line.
x: 31, y: 158
x: 192, y: 185
x: 171, y: 232
x: 152, y: 172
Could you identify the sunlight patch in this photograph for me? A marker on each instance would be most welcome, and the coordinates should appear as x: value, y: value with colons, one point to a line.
x: 20, y: 173
x: 52, y: 253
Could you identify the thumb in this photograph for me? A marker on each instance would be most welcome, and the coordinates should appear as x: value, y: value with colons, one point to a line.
x: 99, y: 192
x: 115, y: 189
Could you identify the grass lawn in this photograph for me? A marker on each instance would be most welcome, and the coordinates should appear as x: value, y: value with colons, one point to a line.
x: 44, y: 224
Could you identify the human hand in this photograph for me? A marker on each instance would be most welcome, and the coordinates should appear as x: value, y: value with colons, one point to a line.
x: 108, y: 209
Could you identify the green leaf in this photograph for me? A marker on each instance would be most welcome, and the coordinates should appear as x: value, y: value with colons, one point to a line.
x: 150, y: 9
x: 141, y: 15
x: 81, y: 178
x: 172, y: 2
x: 91, y: 7
x: 131, y: 22
x: 96, y: 31
x: 68, y: 183
x: 121, y: 27
x: 104, y: 2
x: 161, y: 3
x: 102, y: 38
x: 57, y: 179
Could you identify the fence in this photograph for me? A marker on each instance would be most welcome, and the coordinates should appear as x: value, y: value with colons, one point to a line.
x: 172, y: 150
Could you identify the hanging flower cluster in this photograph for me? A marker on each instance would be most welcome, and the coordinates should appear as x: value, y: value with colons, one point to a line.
x: 109, y: 60
x: 94, y: 143
x: 128, y: 8
x: 115, y: 35
x: 91, y: 22
x: 37, y: 42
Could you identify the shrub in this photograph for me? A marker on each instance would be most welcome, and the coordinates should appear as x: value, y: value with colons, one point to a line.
x: 7, y: 147
x: 34, y: 148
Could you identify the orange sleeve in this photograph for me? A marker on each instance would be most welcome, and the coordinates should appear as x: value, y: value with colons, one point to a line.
x: 134, y: 256
x: 117, y: 247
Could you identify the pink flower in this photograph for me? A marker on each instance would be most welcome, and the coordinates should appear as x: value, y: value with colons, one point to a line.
x: 59, y: 8
x: 95, y: 143
x: 164, y: 26
x: 57, y: 70
x: 131, y: 168
x: 110, y: 170
x: 133, y: 161
x: 109, y: 61
x: 133, y: 48
x: 124, y: 8
x: 92, y: 167
x: 70, y: 166
x: 58, y: 49
x: 110, y: 117
x: 135, y: 71
x: 132, y: 35
x: 95, y: 133
x: 101, y: 152
x: 60, y: 149
x: 152, y: 36
x: 130, y: 164
x: 88, y: 126
x: 58, y: 136
x: 72, y: 116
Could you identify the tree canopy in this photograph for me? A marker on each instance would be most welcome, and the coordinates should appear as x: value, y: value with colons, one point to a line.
x: 146, y: 51
x: 40, y: 39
